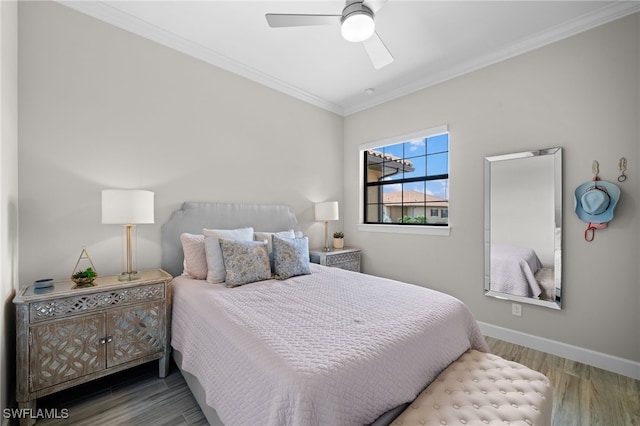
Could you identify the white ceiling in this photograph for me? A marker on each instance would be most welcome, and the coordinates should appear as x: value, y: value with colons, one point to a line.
x: 431, y: 41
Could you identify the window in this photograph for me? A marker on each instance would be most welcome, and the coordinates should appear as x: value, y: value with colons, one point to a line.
x: 406, y: 181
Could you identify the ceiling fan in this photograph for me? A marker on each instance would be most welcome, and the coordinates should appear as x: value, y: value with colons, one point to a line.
x: 357, y: 24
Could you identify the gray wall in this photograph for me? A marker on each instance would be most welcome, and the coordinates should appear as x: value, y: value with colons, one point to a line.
x: 581, y: 94
x: 8, y: 195
x: 103, y: 108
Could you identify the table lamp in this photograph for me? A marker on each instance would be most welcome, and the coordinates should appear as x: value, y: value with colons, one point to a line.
x: 325, y: 212
x: 127, y: 207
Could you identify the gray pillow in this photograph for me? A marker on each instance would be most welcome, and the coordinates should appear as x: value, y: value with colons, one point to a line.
x: 245, y: 262
x: 290, y: 257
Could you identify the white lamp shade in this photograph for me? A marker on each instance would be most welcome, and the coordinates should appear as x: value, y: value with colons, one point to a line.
x: 127, y: 206
x: 327, y: 211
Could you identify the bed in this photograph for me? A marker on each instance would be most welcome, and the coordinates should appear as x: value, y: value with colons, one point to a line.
x: 513, y: 270
x: 328, y: 347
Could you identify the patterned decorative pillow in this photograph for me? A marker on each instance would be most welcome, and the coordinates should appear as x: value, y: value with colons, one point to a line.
x: 290, y: 257
x: 215, y: 263
x: 245, y: 261
x: 268, y: 236
x: 195, y: 259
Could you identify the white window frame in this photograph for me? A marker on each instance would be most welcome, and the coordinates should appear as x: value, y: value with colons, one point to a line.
x: 400, y: 229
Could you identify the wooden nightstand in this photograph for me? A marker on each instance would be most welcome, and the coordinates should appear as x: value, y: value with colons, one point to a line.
x: 67, y: 335
x: 347, y: 258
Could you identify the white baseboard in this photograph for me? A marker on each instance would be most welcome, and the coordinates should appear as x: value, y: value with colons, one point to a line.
x: 607, y: 362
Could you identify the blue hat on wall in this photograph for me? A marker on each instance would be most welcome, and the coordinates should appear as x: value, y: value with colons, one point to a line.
x: 595, y: 201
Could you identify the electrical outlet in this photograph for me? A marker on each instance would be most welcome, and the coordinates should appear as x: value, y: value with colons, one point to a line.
x: 516, y: 309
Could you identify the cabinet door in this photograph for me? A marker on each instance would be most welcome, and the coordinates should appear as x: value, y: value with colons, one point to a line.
x: 135, y: 332
x: 66, y: 350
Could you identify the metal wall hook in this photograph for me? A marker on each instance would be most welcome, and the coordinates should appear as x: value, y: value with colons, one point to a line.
x: 595, y: 169
x: 622, y: 165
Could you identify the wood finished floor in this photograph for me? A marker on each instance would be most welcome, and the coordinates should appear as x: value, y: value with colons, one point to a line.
x: 583, y: 395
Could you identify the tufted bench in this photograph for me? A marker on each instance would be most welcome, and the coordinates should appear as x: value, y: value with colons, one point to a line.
x: 480, y: 388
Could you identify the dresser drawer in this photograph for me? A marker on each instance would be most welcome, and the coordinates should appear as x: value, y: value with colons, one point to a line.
x: 349, y: 260
x: 69, y: 306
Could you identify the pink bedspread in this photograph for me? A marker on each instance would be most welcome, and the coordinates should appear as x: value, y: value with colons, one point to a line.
x: 330, y: 348
x: 513, y: 270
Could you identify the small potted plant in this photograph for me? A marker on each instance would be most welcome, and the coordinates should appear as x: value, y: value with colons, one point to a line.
x: 84, y: 278
x: 338, y: 240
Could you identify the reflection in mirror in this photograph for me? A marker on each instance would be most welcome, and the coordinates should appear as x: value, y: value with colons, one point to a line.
x: 523, y: 227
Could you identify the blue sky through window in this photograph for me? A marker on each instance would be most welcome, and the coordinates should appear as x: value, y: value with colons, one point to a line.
x: 430, y: 157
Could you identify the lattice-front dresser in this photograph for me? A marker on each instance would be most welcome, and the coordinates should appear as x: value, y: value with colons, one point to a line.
x: 67, y: 335
x: 347, y: 258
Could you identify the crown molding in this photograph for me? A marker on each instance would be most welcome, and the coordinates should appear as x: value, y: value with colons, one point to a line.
x: 116, y: 17
x: 584, y: 23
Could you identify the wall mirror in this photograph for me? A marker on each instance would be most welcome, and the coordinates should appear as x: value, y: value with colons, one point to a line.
x: 523, y: 227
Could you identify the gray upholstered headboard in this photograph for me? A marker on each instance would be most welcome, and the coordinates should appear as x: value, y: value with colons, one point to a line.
x: 193, y: 216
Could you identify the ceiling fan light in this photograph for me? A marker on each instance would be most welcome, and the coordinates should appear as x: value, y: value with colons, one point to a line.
x: 358, y: 27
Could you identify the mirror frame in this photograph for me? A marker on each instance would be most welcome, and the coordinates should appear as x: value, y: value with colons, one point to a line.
x: 557, y: 170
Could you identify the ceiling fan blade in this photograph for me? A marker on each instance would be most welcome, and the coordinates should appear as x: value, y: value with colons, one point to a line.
x: 377, y: 51
x: 374, y: 5
x: 276, y: 20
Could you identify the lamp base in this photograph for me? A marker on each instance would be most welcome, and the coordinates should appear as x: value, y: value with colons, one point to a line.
x: 327, y: 249
x: 129, y: 276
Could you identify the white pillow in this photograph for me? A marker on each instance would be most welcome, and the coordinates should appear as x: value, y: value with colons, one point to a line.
x: 215, y: 263
x: 268, y: 237
x: 195, y: 259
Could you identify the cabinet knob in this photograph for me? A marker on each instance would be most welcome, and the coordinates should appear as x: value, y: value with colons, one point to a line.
x: 103, y: 341
x: 109, y: 339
